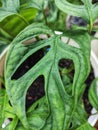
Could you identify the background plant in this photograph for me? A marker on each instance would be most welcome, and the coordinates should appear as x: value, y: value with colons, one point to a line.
x: 61, y: 108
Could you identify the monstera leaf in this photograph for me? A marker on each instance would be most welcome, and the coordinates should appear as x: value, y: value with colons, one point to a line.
x: 56, y: 109
x: 88, y: 11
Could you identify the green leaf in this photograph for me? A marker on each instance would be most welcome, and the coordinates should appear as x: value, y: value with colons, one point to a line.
x: 75, y: 10
x: 17, y: 23
x: 87, y: 11
x: 58, y: 105
x: 85, y: 126
x: 93, y: 96
x: 9, y: 7
x: 40, y: 5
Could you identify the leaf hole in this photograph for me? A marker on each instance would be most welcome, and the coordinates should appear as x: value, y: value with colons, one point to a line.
x: 70, y: 126
x: 10, y: 103
x: 65, y: 63
x: 35, y: 91
x: 66, y: 67
x: 36, y: 106
x: 30, y: 62
x: 66, y: 70
x: 35, y: 39
x: 78, y: 21
x: 30, y: 41
x: 69, y: 41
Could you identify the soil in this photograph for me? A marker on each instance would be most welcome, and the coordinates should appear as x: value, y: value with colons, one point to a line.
x: 35, y: 92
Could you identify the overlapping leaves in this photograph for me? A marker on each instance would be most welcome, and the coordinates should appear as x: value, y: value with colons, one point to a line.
x: 88, y: 11
x: 56, y: 109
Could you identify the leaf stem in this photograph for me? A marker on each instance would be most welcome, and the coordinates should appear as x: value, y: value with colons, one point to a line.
x: 90, y: 27
x: 46, y: 22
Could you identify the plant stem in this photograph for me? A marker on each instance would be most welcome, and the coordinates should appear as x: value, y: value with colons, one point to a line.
x: 46, y: 22
x: 23, y: 19
x: 90, y: 27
